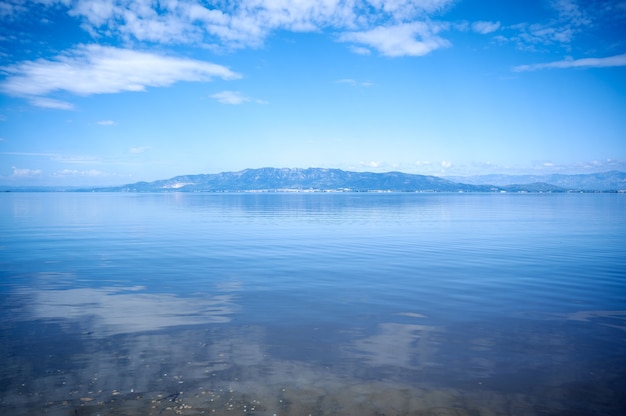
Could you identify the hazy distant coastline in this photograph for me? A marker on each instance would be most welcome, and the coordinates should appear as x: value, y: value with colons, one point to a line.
x: 336, y: 180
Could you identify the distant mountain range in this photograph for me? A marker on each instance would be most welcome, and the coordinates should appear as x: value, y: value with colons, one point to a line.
x: 336, y: 180
x: 318, y: 179
x: 606, y: 181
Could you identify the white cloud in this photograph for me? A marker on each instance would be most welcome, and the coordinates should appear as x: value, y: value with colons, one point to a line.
x: 9, y: 9
x: 57, y: 157
x: 230, y: 97
x: 569, y: 11
x: 75, y: 159
x: 106, y: 123
x: 234, y: 98
x: 405, y: 9
x: 580, y: 167
x: 406, y: 39
x: 485, y: 27
x: 611, y: 61
x: 24, y: 173
x: 359, y: 50
x: 139, y: 149
x: 30, y: 154
x: 51, y: 103
x: 354, y: 83
x: 246, y: 23
x: 446, y: 164
x: 347, y: 81
x: 372, y: 164
x: 543, y: 34
x: 96, y: 12
x: 84, y: 173
x: 95, y: 69
x: 569, y: 19
x: 234, y: 24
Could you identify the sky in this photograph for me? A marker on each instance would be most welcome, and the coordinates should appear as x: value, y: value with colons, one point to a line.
x: 106, y: 92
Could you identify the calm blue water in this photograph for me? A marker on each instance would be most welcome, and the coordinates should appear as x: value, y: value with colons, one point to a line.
x: 321, y: 304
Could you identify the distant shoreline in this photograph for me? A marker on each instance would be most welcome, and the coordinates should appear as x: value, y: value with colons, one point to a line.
x: 285, y: 180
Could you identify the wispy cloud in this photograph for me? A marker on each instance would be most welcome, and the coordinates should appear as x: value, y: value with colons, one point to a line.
x: 34, y: 154
x: 354, y: 83
x: 595, y: 165
x: 50, y: 103
x: 611, y: 61
x: 485, y: 27
x: 423, y: 163
x: 406, y: 9
x: 83, y: 173
x: 9, y: 9
x: 241, y: 23
x: 106, y: 123
x: 406, y: 39
x: 569, y: 19
x: 234, y: 98
x: 571, y: 12
x: 602, y: 165
x: 360, y: 50
x: 25, y: 173
x: 446, y: 164
x: 533, y: 35
x: 95, y: 69
x: 58, y: 157
x: 372, y: 164
x: 139, y: 149
x: 75, y: 159
x: 380, y: 24
x: 230, y: 97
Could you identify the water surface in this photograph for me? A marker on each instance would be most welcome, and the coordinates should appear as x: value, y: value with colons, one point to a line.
x: 324, y: 304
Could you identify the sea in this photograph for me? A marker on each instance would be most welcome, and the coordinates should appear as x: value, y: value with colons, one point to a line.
x: 428, y: 304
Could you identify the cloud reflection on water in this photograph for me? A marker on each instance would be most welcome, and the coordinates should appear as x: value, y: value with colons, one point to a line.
x: 408, y: 346
x: 142, y: 343
x: 108, y: 311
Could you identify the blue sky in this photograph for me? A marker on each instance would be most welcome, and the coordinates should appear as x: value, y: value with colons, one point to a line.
x: 96, y: 92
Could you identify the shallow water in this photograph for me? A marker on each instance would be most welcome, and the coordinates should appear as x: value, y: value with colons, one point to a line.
x: 322, y: 304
